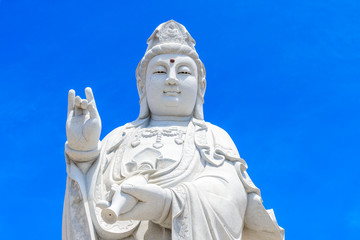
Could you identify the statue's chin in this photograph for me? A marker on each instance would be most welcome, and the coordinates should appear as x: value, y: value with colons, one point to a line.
x: 172, y: 102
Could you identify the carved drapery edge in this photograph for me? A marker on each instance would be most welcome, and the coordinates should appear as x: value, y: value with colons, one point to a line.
x: 245, y: 179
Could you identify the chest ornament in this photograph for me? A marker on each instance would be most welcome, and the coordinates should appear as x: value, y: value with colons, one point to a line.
x: 174, y: 132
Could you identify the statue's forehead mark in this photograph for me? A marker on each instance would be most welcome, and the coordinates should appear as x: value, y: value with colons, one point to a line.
x: 172, y: 60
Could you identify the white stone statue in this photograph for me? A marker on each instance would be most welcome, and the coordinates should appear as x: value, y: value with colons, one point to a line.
x: 167, y: 175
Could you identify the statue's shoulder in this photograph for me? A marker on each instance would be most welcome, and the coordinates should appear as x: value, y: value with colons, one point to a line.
x: 223, y: 141
x: 220, y: 136
x: 113, y: 138
x: 116, y: 136
x: 114, y: 133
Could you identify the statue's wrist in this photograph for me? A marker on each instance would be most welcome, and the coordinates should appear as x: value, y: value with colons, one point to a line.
x: 165, y: 220
x: 82, y: 156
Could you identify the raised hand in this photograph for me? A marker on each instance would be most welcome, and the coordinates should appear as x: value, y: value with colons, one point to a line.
x: 83, y: 125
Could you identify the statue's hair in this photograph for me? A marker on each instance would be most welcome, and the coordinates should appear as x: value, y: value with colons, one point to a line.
x: 171, y: 48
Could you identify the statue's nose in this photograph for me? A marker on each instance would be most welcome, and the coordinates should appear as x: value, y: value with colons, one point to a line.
x: 172, y: 80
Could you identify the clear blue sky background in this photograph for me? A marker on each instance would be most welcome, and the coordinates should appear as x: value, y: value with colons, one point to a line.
x: 283, y: 80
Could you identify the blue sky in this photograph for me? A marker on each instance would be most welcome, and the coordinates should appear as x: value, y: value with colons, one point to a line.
x: 283, y: 80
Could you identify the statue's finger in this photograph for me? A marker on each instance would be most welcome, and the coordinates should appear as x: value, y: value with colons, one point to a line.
x: 141, y: 192
x: 84, y: 104
x: 71, y: 101
x: 93, y: 110
x: 78, y: 101
x: 89, y: 94
x: 78, y: 111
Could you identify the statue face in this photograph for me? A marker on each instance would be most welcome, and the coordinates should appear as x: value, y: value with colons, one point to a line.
x: 171, y: 85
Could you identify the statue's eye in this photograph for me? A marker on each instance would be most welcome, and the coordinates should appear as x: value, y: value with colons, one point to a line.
x: 184, y: 70
x: 160, y: 70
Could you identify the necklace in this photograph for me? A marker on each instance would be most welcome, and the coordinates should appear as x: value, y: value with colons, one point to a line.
x: 167, y: 132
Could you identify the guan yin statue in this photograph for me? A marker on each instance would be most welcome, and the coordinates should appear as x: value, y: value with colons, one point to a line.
x: 166, y: 175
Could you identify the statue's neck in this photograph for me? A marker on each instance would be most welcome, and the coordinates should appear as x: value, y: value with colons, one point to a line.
x: 158, y: 121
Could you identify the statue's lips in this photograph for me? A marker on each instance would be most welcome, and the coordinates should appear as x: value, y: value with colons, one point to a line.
x: 171, y: 92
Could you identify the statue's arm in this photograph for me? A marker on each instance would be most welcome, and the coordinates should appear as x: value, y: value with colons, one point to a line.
x: 82, y: 148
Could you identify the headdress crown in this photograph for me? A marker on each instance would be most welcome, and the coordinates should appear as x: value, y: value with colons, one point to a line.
x: 170, y: 32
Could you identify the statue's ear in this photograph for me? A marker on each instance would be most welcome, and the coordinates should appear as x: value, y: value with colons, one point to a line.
x: 202, y: 87
x: 198, y: 110
x: 141, y: 87
x: 139, y: 83
x: 202, y: 79
x: 144, y: 108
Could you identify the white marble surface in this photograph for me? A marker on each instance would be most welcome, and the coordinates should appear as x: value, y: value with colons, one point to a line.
x: 167, y: 175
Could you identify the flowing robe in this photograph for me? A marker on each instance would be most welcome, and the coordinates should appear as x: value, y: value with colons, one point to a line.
x: 212, y: 195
